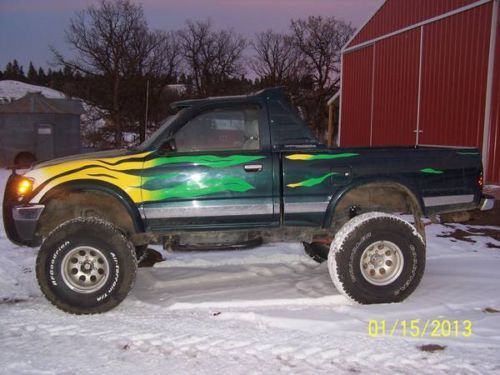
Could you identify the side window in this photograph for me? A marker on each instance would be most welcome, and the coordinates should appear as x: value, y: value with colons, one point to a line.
x: 221, y: 129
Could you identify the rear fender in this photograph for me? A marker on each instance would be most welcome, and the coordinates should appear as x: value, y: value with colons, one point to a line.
x: 369, y: 195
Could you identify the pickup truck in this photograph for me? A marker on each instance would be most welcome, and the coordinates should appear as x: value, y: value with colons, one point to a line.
x: 230, y: 171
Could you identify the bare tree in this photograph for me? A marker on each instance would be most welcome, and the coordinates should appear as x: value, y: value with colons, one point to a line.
x: 276, y: 61
x: 154, y: 62
x: 212, y: 57
x: 114, y: 50
x: 319, y: 41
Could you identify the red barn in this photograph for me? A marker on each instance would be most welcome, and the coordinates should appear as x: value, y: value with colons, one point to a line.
x: 425, y: 72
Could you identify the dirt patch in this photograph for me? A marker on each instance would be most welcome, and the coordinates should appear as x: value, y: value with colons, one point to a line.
x: 151, y: 258
x: 491, y: 310
x: 431, y: 348
x: 458, y: 234
x: 492, y: 190
x: 464, y: 235
x: 12, y: 301
x: 489, y: 218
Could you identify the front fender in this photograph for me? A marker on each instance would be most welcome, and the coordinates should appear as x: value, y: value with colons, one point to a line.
x: 95, y: 185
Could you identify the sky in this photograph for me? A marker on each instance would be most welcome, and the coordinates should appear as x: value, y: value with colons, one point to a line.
x: 29, y: 27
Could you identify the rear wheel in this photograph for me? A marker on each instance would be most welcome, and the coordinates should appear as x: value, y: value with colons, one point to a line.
x: 377, y: 258
x: 86, y: 266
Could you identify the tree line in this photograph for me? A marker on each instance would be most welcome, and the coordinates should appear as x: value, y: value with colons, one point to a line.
x: 117, y: 56
x: 54, y: 78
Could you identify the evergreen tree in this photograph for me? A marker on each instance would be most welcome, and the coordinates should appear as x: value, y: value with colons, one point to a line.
x: 67, y: 73
x: 9, y: 71
x: 32, y: 74
x: 41, y: 77
x: 21, y: 76
x: 15, y: 68
x: 14, y: 71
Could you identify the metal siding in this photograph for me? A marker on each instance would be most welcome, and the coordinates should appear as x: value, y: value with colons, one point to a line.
x: 396, y: 88
x: 398, y: 14
x: 454, y: 71
x: 494, y: 150
x: 356, y: 98
x: 20, y: 134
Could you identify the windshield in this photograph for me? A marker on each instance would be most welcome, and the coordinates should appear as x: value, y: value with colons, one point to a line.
x: 163, y: 126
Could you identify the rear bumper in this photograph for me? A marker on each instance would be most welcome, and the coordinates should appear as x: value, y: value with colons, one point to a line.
x: 20, y: 220
x: 487, y: 203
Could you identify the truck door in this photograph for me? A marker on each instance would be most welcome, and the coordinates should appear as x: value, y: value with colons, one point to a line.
x: 218, y: 173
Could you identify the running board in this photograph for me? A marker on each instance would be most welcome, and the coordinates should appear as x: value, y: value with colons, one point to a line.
x: 246, y: 245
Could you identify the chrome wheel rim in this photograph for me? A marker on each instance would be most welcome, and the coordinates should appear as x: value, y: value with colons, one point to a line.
x: 381, y: 263
x: 85, y: 269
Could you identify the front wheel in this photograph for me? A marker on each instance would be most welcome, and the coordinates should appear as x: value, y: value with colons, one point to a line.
x: 86, y: 266
x: 377, y: 258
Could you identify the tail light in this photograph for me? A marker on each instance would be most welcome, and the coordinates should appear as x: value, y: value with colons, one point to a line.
x: 480, y: 181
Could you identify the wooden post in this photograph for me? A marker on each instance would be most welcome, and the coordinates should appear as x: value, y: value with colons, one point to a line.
x: 330, y: 125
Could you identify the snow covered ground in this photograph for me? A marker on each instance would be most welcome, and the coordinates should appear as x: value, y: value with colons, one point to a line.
x: 261, y: 311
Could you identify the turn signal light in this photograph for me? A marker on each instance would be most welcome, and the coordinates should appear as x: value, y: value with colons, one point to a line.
x: 480, y: 181
x: 24, y: 187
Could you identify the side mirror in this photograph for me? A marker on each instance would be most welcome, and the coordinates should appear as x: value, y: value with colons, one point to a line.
x: 168, y: 146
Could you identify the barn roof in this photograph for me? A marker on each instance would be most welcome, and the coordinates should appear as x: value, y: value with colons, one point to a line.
x: 395, y: 15
x: 35, y: 102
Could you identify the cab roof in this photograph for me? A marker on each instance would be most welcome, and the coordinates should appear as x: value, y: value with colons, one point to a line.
x: 268, y: 93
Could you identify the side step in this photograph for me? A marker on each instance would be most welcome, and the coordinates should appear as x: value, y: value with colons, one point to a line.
x: 245, y: 245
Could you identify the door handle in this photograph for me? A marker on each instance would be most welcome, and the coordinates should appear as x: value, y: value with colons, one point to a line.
x: 253, y: 167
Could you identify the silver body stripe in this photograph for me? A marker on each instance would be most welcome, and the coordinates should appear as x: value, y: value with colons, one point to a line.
x: 207, y: 211
x: 298, y: 208
x: 448, y: 199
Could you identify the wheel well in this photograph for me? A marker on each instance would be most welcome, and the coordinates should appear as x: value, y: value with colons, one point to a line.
x: 66, y: 205
x: 389, y: 197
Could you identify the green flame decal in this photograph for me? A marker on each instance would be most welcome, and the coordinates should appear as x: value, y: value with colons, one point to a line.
x: 467, y: 153
x: 199, y: 187
x: 431, y: 171
x: 210, y: 161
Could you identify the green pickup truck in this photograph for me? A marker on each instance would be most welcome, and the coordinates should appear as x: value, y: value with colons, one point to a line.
x: 236, y: 171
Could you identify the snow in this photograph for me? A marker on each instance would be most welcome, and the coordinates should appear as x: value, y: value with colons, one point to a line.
x: 260, y: 311
x: 11, y: 90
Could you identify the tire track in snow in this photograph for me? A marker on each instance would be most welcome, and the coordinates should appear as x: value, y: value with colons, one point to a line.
x: 289, y: 355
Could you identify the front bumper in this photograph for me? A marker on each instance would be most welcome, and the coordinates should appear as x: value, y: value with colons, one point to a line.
x: 20, y: 219
x: 26, y: 220
x: 487, y: 203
